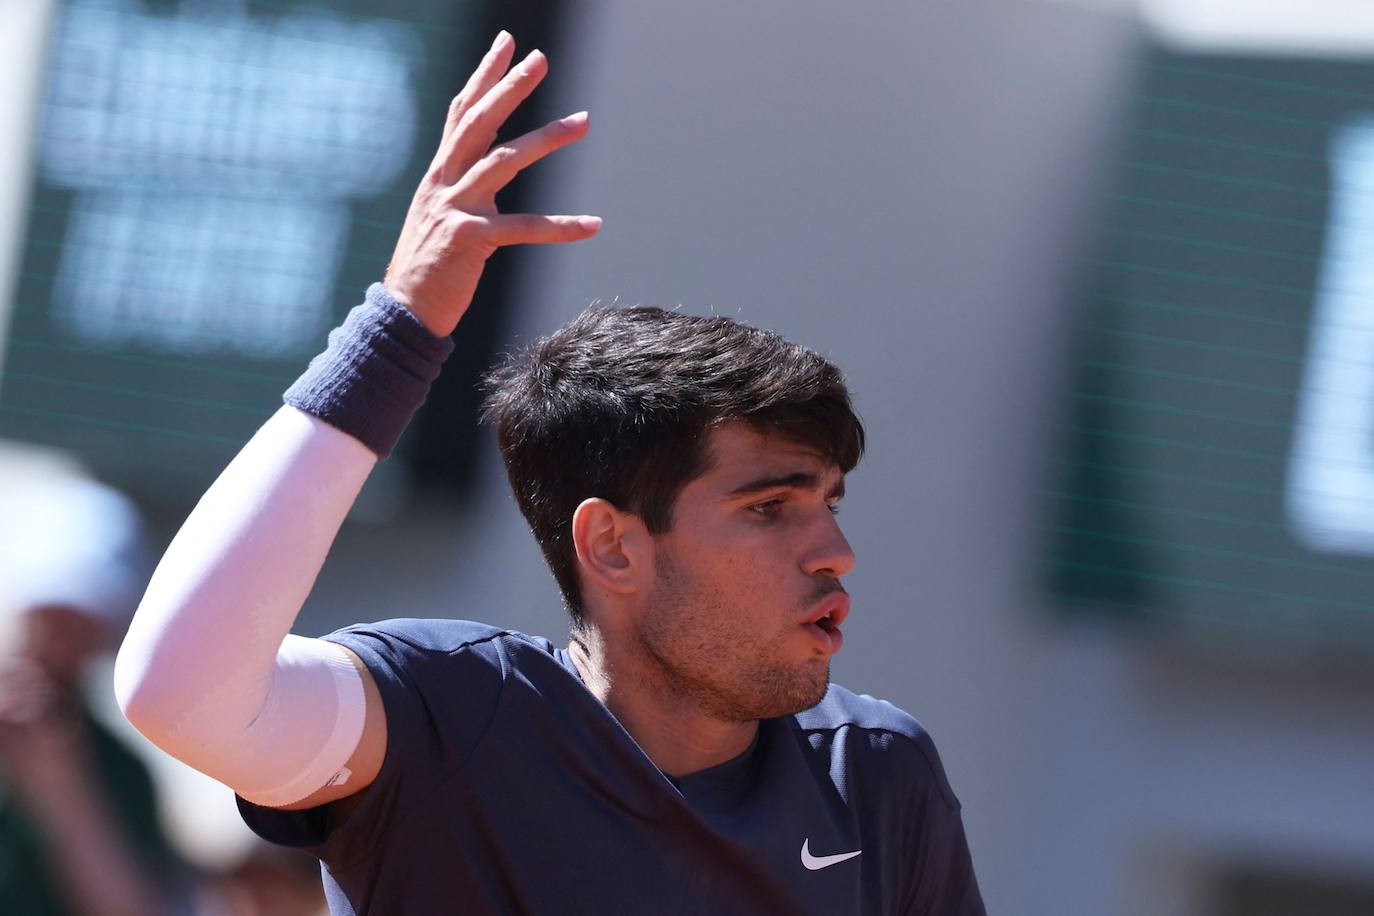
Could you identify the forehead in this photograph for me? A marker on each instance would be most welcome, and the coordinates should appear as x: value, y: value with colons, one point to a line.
x: 739, y: 453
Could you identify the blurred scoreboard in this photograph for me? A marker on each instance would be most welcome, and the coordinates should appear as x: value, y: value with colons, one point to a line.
x: 1217, y: 467
x: 216, y: 184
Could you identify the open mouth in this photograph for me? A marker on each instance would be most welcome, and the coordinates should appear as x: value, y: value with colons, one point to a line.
x: 824, y: 623
x: 831, y: 613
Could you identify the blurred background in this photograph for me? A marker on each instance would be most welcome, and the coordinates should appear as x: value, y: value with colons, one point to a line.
x: 1101, y: 275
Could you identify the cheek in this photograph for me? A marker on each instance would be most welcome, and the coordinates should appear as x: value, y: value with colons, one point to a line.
x: 754, y: 589
x: 738, y: 569
x: 763, y: 562
x: 741, y: 569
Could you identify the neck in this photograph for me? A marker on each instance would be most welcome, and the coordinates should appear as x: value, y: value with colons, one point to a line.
x: 676, y: 734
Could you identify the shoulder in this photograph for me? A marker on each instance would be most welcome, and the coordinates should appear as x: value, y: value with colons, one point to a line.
x: 439, y: 666
x: 416, y: 640
x: 876, y: 734
x: 420, y: 635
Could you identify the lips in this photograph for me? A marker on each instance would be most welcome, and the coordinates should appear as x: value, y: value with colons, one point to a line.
x: 823, y: 623
x: 832, y: 610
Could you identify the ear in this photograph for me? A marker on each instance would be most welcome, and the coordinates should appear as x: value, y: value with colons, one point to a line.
x: 610, y: 546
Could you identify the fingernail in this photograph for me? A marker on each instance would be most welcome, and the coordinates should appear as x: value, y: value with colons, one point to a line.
x: 590, y: 223
x: 533, y: 57
x: 574, y: 120
x: 501, y: 38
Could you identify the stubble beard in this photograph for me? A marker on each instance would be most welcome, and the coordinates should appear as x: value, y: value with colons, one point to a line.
x: 698, y: 657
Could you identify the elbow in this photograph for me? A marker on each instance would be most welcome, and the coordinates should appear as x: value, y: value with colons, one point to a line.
x: 152, y: 684
x: 136, y: 691
x: 127, y: 687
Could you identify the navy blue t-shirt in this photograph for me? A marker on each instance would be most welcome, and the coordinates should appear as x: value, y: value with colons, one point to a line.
x: 508, y: 788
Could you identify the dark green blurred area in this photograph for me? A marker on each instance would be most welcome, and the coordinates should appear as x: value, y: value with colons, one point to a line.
x: 1169, y: 503
x: 205, y: 155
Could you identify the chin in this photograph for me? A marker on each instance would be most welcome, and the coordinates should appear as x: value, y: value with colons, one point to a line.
x: 799, y: 692
x: 815, y: 697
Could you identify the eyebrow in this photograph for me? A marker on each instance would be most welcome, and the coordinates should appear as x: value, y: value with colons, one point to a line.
x: 799, y: 480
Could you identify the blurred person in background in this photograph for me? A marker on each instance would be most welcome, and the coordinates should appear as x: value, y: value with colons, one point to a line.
x: 79, y: 829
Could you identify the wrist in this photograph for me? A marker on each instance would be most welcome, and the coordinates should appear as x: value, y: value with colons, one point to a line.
x: 438, y: 322
x: 375, y: 373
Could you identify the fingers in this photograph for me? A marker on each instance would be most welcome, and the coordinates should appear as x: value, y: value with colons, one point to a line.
x: 466, y: 156
x: 494, y: 63
x: 496, y: 169
x: 476, y: 127
x: 534, y: 229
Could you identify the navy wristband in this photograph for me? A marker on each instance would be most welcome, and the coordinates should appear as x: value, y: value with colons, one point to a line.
x: 374, y: 374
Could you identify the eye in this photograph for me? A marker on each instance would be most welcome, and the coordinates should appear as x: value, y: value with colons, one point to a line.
x: 833, y: 507
x: 769, y: 508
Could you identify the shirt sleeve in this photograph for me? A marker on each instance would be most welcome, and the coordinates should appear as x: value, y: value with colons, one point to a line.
x: 440, y: 684
x: 944, y: 882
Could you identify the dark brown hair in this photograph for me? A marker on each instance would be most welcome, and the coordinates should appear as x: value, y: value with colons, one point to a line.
x: 619, y: 402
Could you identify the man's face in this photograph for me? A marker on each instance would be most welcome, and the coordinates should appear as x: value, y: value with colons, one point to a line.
x: 753, y: 557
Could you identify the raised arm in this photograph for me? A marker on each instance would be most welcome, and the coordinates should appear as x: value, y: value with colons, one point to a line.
x: 208, y: 671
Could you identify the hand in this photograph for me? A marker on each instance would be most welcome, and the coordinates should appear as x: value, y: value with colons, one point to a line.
x: 453, y: 225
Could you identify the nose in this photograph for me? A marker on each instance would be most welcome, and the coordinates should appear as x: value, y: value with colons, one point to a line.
x: 831, y: 554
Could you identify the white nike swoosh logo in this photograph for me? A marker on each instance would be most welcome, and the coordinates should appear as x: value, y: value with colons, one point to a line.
x: 815, y: 863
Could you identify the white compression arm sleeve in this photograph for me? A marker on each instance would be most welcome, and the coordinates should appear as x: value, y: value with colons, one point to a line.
x: 207, y: 671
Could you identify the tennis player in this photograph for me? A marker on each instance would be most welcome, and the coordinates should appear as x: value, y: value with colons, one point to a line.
x: 685, y: 753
